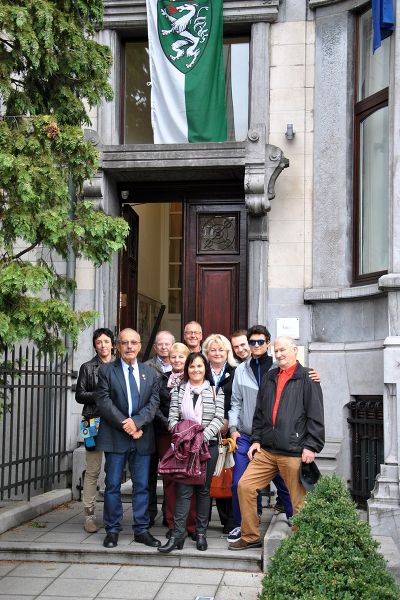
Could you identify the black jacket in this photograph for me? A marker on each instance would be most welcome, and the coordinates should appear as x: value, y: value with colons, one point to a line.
x: 299, y: 421
x: 162, y: 412
x: 87, y: 381
x: 225, y: 384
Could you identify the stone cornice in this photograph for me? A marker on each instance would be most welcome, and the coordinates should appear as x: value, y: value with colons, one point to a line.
x: 172, y: 157
x: 128, y: 14
x: 318, y: 3
x: 342, y: 294
x: 313, y: 4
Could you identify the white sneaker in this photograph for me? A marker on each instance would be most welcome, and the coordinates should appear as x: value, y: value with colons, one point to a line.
x: 234, y: 535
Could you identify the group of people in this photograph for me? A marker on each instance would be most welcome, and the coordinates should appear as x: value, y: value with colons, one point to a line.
x: 274, y: 412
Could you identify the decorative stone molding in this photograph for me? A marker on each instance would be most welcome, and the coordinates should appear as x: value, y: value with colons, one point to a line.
x: 261, y: 174
x: 345, y: 293
x: 318, y: 3
x: 93, y: 190
x: 389, y: 282
x: 91, y: 136
x: 124, y: 14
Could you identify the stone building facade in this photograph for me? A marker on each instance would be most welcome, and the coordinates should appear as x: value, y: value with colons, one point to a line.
x: 319, y: 243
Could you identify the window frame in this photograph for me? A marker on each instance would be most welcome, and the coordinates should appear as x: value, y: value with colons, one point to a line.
x: 362, y: 109
x: 240, y: 37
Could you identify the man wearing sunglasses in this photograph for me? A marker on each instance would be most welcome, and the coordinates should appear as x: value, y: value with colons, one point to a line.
x: 245, y: 387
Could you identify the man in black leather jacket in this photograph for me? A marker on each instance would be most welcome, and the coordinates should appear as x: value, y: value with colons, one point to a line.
x: 103, y: 342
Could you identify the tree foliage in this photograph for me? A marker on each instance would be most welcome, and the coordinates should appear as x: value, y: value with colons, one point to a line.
x: 51, y: 69
x: 332, y: 554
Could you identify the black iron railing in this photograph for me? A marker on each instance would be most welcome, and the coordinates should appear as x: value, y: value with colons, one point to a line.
x: 366, y: 426
x: 33, y: 423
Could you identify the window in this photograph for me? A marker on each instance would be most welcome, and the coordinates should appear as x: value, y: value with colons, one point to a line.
x: 371, y: 155
x: 175, y: 258
x: 136, y: 96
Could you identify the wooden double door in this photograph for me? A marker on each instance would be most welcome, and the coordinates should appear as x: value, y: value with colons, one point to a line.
x: 214, y: 278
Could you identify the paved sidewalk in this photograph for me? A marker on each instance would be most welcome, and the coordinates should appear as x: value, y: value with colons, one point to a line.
x: 39, y: 581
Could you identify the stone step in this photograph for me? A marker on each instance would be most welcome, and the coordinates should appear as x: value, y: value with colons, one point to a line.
x: 59, y: 536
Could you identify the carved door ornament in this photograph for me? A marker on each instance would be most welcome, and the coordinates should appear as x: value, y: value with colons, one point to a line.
x: 217, y: 234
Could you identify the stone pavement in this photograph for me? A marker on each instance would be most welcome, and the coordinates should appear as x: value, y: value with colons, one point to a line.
x: 51, y: 556
x: 46, y: 581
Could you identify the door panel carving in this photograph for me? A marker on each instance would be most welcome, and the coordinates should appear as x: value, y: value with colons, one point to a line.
x: 215, y: 277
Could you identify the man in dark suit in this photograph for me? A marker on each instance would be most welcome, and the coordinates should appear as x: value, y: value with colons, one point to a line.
x: 127, y: 398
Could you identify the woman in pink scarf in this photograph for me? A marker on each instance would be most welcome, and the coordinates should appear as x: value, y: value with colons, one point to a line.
x: 168, y: 381
x: 196, y: 400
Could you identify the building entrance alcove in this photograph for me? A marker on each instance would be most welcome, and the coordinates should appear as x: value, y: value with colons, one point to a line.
x: 187, y: 252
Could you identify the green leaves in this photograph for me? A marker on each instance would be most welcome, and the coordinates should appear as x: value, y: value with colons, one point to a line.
x: 50, y: 62
x: 332, y: 554
x: 51, y: 68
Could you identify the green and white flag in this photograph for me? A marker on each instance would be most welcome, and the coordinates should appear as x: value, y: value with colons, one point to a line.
x: 187, y: 71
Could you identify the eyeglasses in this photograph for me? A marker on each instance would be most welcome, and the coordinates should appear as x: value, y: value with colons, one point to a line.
x: 131, y: 342
x: 192, y: 332
x: 257, y: 342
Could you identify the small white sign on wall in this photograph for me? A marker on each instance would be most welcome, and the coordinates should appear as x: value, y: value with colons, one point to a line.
x: 289, y: 327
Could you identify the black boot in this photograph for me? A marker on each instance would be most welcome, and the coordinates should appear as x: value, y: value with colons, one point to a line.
x: 201, y: 543
x: 172, y: 544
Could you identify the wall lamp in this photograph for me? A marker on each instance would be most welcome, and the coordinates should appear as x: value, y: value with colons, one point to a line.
x: 290, y: 133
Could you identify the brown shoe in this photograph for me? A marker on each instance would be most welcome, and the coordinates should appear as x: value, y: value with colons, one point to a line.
x: 90, y: 525
x: 242, y: 545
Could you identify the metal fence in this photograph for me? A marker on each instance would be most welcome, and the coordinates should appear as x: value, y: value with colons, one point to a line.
x: 33, y: 423
x: 366, y: 424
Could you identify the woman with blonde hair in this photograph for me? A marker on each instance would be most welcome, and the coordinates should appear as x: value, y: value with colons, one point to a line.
x: 168, y: 382
x: 218, y: 351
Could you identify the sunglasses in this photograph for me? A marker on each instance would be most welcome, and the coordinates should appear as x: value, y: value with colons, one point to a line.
x: 257, y: 342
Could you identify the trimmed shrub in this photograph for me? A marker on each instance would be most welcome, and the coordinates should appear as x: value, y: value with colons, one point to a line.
x: 331, y: 555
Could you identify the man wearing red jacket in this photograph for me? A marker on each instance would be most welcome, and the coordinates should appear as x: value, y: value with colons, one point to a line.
x: 288, y: 429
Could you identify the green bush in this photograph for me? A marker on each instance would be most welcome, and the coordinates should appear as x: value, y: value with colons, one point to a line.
x: 331, y: 555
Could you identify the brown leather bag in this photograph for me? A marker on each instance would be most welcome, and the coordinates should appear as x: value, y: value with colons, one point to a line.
x: 221, y: 485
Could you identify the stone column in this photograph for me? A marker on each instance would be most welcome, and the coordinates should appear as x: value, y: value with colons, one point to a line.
x: 264, y: 163
x: 384, y: 505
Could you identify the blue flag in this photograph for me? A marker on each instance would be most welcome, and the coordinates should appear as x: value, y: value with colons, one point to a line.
x: 383, y: 21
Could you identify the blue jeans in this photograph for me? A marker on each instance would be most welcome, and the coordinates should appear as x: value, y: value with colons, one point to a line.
x: 241, y: 461
x: 139, y: 467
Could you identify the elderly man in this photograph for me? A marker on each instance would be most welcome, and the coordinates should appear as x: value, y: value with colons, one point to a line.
x: 162, y: 345
x: 240, y: 345
x: 248, y: 377
x: 193, y: 334
x: 288, y: 429
x: 127, y: 399
x: 160, y: 363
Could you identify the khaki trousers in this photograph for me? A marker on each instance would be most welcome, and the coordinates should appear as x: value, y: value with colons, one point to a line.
x: 93, y: 466
x: 259, y: 473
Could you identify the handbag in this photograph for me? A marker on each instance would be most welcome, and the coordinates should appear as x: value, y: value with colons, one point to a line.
x: 225, y: 460
x: 221, y: 485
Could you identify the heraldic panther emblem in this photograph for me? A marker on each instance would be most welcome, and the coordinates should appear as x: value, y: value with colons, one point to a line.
x: 183, y: 30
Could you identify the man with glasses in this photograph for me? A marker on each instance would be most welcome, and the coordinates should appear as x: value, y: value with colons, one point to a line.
x: 193, y: 334
x: 127, y: 399
x: 245, y: 387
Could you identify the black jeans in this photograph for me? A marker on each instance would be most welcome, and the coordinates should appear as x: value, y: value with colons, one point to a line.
x: 184, y: 495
